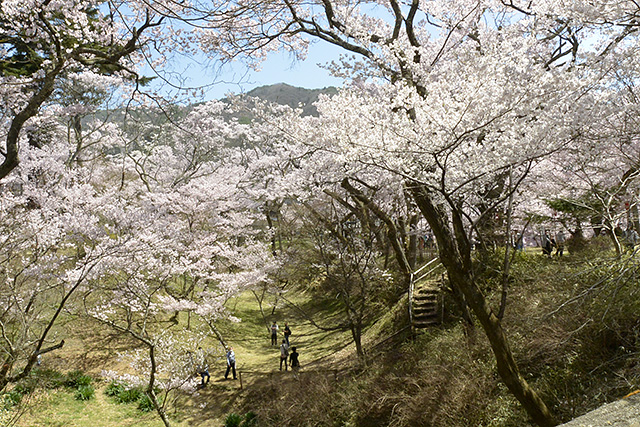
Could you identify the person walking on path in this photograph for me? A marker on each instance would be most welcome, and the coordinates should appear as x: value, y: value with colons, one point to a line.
x: 547, y: 244
x: 294, y: 363
x: 231, y: 363
x: 287, y: 332
x: 560, y: 241
x: 203, y: 367
x: 274, y: 333
x: 284, y: 354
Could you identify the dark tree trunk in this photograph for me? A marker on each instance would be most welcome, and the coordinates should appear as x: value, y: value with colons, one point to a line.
x: 455, y: 254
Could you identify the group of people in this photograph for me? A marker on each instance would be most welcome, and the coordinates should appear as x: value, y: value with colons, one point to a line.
x: 549, y: 242
x: 287, y: 358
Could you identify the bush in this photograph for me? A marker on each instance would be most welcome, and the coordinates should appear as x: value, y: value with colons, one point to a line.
x: 145, y: 404
x: 11, y: 399
x: 85, y: 392
x: 250, y: 420
x: 129, y: 395
x: 115, y: 388
x: 76, y: 379
x: 233, y: 420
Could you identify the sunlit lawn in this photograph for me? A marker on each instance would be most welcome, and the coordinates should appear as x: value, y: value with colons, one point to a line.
x: 92, y: 350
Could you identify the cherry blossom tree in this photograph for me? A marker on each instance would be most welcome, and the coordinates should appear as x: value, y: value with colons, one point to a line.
x: 475, y: 89
x: 46, y: 42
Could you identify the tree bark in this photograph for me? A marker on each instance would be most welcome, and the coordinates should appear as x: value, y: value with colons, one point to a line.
x: 454, y: 253
x: 392, y: 231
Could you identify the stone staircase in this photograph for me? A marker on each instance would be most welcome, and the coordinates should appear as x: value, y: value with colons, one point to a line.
x: 426, y: 306
x: 425, y: 296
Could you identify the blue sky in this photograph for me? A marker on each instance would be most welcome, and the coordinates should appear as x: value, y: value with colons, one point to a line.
x: 279, y: 68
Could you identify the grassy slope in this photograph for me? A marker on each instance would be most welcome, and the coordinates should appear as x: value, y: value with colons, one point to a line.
x: 92, y: 349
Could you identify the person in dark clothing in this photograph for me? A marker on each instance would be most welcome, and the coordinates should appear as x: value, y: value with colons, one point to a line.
x: 203, y: 367
x: 284, y: 353
x: 231, y: 363
x: 287, y: 332
x: 547, y: 244
x: 560, y: 241
x: 294, y: 363
x: 274, y: 334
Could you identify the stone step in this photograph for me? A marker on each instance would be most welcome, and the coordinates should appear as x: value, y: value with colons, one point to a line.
x: 426, y: 291
x: 425, y: 323
x: 425, y: 302
x: 425, y: 311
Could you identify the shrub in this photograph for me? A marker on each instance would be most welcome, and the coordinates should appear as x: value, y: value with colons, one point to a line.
x: 129, y: 395
x: 11, y: 399
x: 145, y: 404
x: 75, y: 379
x: 85, y: 392
x: 233, y: 420
x: 115, y: 388
x: 250, y: 420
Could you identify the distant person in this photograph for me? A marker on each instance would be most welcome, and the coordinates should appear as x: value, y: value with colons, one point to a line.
x: 231, y: 363
x: 287, y: 333
x: 294, y: 363
x: 284, y: 353
x: 519, y: 241
x: 274, y: 333
x: 547, y: 244
x: 203, y: 367
x: 631, y: 238
x: 560, y: 241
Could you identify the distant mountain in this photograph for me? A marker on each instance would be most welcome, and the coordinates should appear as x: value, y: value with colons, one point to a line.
x: 292, y: 96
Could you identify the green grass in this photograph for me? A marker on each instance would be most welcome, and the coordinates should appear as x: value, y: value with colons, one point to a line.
x: 92, y: 349
x: 58, y: 408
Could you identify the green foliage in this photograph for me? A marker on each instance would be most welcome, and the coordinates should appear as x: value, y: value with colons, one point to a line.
x: 20, y: 59
x: 129, y: 395
x: 11, y: 399
x: 115, y: 388
x: 250, y: 419
x: 75, y: 379
x: 233, y: 420
x: 121, y: 392
x: 85, y: 392
x: 15, y: 395
x: 145, y: 404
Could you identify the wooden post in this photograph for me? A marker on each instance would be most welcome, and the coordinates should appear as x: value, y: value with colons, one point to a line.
x: 240, y: 377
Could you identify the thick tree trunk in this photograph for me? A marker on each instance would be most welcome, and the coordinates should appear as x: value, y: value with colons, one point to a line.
x: 47, y: 85
x: 455, y: 255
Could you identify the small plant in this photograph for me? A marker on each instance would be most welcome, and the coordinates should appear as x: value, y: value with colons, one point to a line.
x: 76, y: 379
x: 250, y: 420
x: 11, y: 399
x: 115, y: 388
x: 145, y: 404
x: 85, y: 392
x: 233, y: 420
x: 129, y: 395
